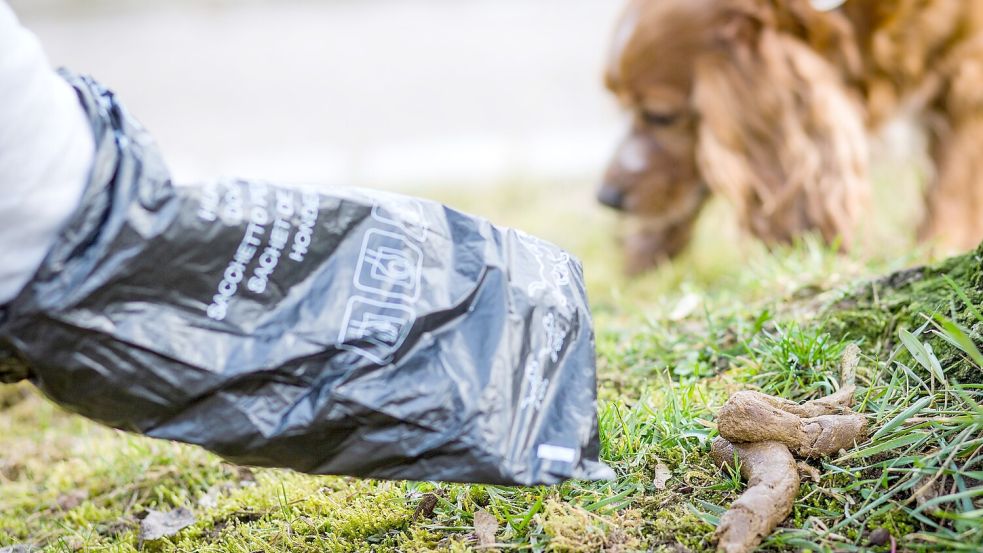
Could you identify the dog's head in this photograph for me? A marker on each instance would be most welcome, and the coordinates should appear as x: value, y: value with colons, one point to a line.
x: 722, y: 99
x: 654, y: 172
x: 650, y: 70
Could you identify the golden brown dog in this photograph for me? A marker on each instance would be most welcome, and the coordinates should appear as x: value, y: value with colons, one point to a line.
x: 768, y: 104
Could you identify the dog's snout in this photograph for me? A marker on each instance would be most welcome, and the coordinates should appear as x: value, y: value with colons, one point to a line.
x: 611, y: 197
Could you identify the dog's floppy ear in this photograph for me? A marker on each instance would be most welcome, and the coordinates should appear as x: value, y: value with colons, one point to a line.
x: 740, y: 22
x: 779, y: 135
x: 827, y: 32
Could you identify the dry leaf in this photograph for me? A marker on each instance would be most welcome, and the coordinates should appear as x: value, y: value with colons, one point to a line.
x: 425, y: 507
x: 685, y: 307
x: 158, y: 525
x: 662, y: 475
x: 485, y: 527
x: 72, y: 499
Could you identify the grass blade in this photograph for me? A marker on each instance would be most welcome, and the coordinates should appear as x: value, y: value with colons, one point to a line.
x: 921, y: 354
x: 894, y: 443
x: 964, y: 297
x: 911, y: 411
x: 957, y: 337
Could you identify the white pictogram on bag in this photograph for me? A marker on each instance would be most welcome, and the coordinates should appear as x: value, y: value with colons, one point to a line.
x: 388, y: 277
x: 556, y: 334
x: 553, y: 269
x: 389, y: 265
x: 374, y: 329
x: 537, y: 386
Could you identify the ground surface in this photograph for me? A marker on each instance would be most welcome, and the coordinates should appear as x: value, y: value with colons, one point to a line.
x: 671, y: 346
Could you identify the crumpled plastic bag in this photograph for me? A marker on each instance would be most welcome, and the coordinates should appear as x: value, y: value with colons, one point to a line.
x: 336, y: 331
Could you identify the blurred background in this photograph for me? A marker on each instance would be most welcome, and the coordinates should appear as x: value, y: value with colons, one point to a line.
x: 382, y: 93
x: 495, y: 107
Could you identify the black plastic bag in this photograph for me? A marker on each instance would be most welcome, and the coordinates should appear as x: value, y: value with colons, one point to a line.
x: 339, y: 332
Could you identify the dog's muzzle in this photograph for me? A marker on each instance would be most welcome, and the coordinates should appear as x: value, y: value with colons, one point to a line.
x: 611, y: 197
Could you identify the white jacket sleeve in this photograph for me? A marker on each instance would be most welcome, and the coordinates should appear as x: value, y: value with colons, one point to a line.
x: 46, y: 150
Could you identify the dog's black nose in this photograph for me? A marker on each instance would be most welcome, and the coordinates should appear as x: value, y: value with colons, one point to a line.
x: 611, y: 197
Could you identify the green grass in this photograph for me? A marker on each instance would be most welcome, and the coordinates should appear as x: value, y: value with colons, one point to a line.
x: 672, y: 346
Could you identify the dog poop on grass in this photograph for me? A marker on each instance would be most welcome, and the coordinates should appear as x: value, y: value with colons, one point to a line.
x: 763, y: 433
x: 773, y: 481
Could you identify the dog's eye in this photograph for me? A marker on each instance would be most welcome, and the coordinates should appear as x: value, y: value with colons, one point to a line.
x: 659, y: 119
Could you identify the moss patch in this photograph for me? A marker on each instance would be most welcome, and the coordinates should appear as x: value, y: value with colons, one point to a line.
x: 874, y: 311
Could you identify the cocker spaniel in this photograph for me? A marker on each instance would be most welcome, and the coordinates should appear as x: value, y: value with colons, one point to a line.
x: 768, y: 103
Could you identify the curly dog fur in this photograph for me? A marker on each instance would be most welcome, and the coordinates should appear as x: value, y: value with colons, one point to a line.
x: 768, y: 103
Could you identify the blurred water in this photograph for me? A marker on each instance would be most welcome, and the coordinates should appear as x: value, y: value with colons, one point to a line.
x: 388, y: 93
